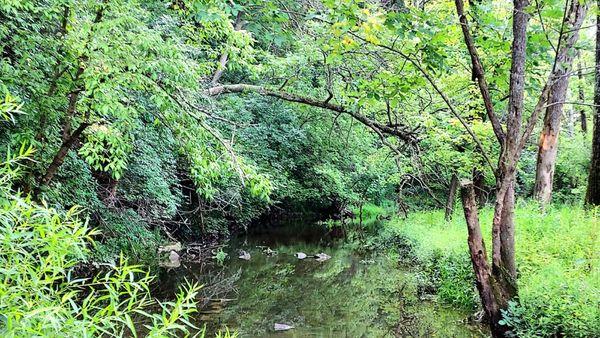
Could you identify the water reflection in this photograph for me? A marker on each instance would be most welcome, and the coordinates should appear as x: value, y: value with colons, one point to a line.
x: 356, y: 293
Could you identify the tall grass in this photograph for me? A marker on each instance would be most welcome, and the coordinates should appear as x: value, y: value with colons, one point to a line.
x: 558, y: 253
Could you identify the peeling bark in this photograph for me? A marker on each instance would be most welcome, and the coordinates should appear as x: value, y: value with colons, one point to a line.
x: 548, y: 143
x: 483, y: 277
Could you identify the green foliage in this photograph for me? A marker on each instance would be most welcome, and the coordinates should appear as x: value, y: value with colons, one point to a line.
x: 126, y: 231
x: 39, y: 295
x: 9, y: 107
x: 556, y: 255
x: 220, y: 256
x: 106, y: 149
x: 75, y: 186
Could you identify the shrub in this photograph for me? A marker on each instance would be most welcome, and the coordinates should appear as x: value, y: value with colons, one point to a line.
x: 40, y: 247
x: 125, y: 231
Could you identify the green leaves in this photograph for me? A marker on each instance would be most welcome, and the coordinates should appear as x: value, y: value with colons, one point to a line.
x: 39, y: 248
x: 106, y: 149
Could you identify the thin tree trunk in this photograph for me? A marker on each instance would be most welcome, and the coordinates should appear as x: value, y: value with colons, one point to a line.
x: 592, y: 196
x: 571, y: 122
x: 57, y: 73
x: 479, y: 184
x: 548, y: 143
x: 59, y: 158
x: 451, y: 197
x: 581, y: 97
x: 507, y: 238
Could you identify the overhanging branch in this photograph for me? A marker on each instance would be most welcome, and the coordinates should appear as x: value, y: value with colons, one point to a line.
x: 403, y: 134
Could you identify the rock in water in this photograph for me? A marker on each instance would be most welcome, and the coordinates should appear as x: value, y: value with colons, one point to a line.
x: 244, y: 255
x: 282, y: 327
x: 321, y: 257
x: 300, y: 255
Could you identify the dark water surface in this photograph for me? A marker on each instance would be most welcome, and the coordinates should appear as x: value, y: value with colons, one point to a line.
x: 356, y: 293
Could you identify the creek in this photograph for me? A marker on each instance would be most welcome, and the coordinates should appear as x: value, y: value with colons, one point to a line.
x: 358, y: 292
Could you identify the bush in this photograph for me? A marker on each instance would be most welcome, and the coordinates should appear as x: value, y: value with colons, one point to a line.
x: 39, y: 248
x: 125, y: 231
x: 557, y: 257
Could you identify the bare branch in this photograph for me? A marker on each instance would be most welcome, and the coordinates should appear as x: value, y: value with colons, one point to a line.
x: 479, y: 73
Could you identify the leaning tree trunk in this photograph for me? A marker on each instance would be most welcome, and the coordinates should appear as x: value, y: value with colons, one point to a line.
x: 548, y: 143
x: 592, y: 196
x: 486, y: 285
x: 61, y: 154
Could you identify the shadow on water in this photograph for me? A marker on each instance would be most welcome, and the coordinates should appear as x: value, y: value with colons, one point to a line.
x: 356, y: 293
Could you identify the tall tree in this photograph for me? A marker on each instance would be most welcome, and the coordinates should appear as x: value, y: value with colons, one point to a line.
x: 497, y: 284
x: 592, y: 196
x: 548, y: 143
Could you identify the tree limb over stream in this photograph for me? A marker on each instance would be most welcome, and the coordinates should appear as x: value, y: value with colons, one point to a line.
x: 402, y: 132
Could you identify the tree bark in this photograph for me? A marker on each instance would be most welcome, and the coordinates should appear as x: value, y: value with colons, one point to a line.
x: 451, y: 197
x: 592, y: 196
x: 483, y: 277
x: 548, y: 143
x: 581, y: 97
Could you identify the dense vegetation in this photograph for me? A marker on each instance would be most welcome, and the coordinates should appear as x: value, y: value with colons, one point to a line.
x: 188, y: 120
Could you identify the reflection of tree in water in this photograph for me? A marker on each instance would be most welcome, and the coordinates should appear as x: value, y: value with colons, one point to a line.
x: 352, y: 294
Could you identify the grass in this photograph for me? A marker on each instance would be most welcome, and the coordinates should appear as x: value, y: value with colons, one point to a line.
x: 557, y: 255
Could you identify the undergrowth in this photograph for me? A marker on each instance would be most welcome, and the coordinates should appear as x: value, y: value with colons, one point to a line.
x: 557, y: 257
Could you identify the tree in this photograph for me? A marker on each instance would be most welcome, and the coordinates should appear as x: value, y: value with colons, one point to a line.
x: 497, y: 284
x: 548, y: 143
x: 592, y: 196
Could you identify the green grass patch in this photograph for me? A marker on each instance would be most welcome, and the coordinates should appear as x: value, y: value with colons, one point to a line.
x: 557, y: 255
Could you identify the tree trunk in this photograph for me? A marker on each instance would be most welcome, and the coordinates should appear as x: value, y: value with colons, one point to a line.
x: 592, y: 196
x: 571, y: 122
x: 483, y: 277
x: 507, y: 239
x: 59, y: 158
x: 548, y: 143
x: 581, y: 97
x: 479, y: 184
x: 451, y: 197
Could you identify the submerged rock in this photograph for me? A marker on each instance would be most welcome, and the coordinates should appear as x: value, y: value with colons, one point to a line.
x: 269, y: 252
x: 244, y: 255
x: 282, y: 327
x: 321, y: 257
x: 300, y: 255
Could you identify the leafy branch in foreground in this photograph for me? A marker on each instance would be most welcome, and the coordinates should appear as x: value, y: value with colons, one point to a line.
x: 39, y: 249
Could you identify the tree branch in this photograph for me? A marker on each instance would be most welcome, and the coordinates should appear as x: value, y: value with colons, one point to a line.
x: 479, y: 73
x: 406, y: 136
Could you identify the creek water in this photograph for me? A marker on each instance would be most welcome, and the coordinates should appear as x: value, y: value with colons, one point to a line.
x: 358, y: 292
